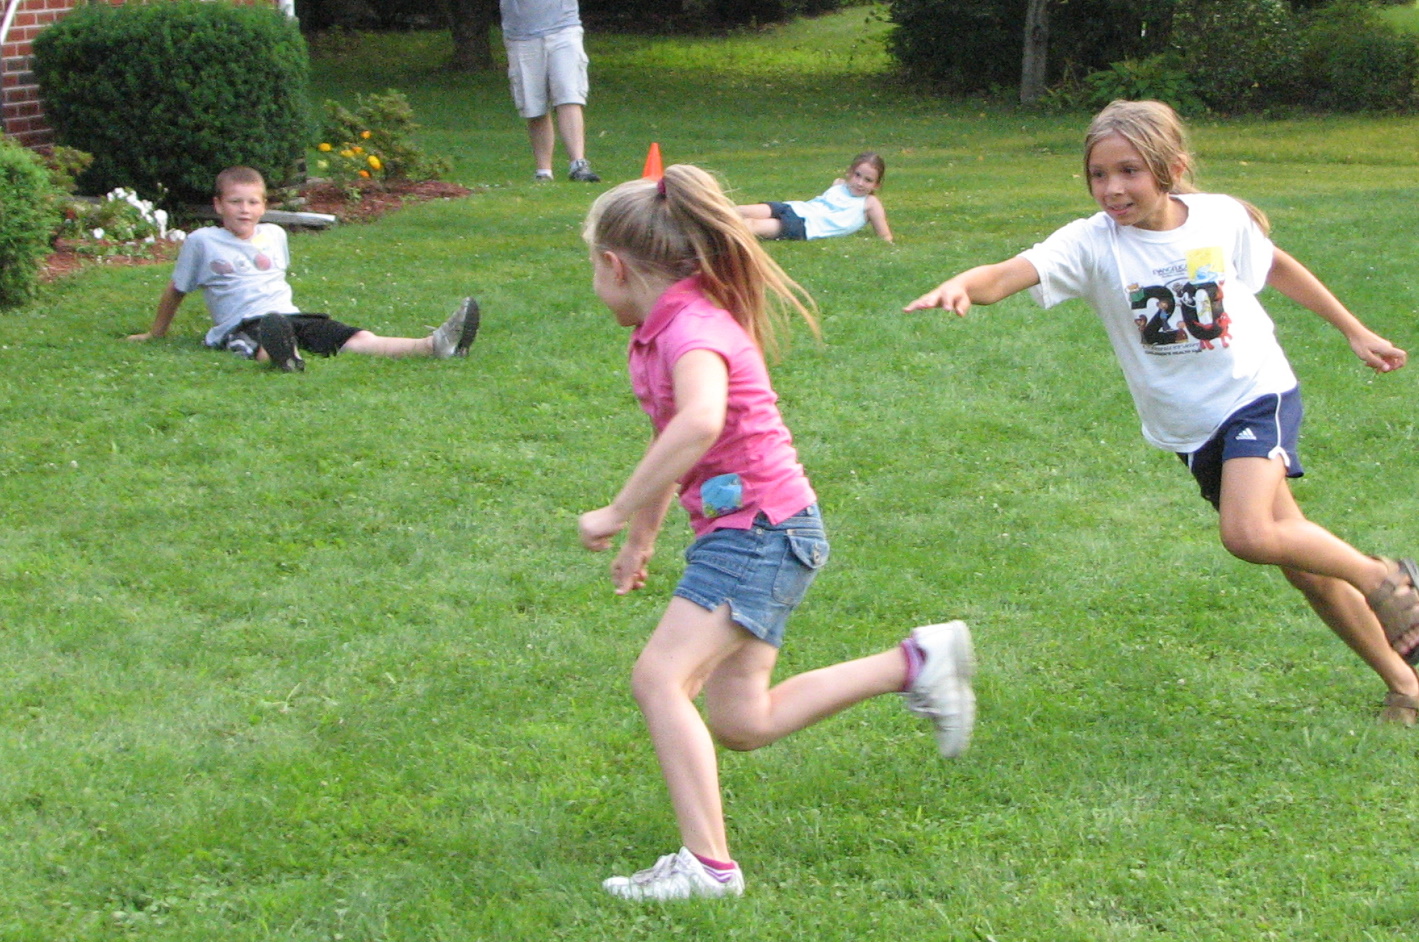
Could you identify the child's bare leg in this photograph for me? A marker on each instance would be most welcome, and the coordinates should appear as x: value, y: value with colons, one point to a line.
x: 1343, y: 609
x: 1261, y: 523
x: 372, y: 344
x: 683, y: 650
x: 746, y: 713
x: 761, y: 221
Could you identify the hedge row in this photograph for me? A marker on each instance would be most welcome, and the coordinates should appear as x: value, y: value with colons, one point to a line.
x: 166, y: 95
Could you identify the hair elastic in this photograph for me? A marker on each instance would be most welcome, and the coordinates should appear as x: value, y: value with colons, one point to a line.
x: 660, y: 187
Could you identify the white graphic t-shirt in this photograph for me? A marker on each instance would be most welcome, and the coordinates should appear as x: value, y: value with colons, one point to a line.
x: 1181, y: 311
x: 238, y: 278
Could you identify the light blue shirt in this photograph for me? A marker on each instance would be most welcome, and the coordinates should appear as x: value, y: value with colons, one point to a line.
x: 835, y: 213
x: 533, y: 19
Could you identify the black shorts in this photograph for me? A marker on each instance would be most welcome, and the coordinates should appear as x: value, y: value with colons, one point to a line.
x: 315, y: 333
x: 792, y: 223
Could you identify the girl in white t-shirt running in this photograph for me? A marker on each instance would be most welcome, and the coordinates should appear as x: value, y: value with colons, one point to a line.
x: 842, y: 209
x: 1173, y: 274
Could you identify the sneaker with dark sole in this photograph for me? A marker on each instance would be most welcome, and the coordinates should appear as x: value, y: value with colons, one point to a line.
x: 278, y: 339
x: 581, y: 172
x: 942, y: 690
x: 675, y: 876
x: 455, y: 335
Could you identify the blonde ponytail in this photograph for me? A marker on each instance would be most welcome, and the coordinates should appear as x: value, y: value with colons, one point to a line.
x: 683, y: 225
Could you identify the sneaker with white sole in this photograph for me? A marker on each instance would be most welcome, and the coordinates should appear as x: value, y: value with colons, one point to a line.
x: 455, y: 335
x: 942, y: 690
x: 675, y: 876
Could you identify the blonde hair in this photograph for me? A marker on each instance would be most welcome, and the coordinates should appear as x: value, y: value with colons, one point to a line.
x: 239, y: 176
x: 1157, y: 133
x: 684, y: 225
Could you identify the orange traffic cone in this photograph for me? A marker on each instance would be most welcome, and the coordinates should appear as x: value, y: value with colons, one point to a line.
x: 654, y: 169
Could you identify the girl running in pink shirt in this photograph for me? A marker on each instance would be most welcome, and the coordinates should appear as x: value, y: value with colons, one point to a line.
x: 675, y: 262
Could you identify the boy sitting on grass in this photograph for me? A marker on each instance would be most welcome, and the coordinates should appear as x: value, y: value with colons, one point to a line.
x: 241, y: 269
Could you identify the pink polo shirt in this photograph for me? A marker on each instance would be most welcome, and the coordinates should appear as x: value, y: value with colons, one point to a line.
x: 755, y: 445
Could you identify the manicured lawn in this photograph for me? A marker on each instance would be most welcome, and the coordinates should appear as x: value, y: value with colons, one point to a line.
x: 318, y: 657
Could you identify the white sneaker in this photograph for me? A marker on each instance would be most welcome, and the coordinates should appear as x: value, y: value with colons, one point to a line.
x: 674, y: 876
x: 942, y: 691
x: 455, y: 335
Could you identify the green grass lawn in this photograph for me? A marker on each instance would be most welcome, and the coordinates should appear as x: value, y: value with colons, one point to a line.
x: 318, y: 657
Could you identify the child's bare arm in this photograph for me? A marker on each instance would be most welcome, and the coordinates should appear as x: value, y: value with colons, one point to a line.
x: 167, y: 310
x: 877, y: 215
x: 984, y: 284
x: 701, y: 402
x: 1299, y: 284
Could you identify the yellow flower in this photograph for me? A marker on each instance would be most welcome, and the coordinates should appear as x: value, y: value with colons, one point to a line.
x: 374, y: 162
x: 365, y: 135
x: 324, y: 148
x: 359, y: 150
x: 365, y: 174
x: 347, y: 153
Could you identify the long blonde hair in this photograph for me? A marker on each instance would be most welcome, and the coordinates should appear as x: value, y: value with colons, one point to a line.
x: 1157, y: 133
x: 684, y: 225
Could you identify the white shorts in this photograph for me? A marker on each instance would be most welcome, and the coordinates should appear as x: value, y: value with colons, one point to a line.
x: 548, y: 70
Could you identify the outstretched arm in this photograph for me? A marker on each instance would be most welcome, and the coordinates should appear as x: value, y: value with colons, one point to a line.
x: 877, y: 215
x: 1297, y: 282
x: 984, y: 284
x: 167, y: 310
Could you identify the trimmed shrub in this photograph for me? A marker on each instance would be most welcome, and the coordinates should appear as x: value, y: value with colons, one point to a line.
x: 167, y: 95
x: 27, y: 203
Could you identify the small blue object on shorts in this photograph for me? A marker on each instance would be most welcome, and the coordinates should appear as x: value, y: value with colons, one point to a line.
x: 1268, y: 427
x: 794, y: 228
x: 761, y: 573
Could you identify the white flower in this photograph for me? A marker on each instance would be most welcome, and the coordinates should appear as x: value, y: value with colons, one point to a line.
x: 176, y: 235
x: 98, y: 233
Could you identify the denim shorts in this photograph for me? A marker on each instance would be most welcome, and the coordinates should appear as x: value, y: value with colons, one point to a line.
x: 1263, y: 428
x: 794, y: 228
x: 762, y: 573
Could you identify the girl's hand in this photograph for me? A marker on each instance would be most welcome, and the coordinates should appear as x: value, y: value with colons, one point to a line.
x: 631, y: 567
x: 1378, y: 353
x: 949, y: 295
x: 596, y: 527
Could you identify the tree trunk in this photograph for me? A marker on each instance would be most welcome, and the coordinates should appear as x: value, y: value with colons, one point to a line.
x: 1032, y: 66
x: 471, y: 22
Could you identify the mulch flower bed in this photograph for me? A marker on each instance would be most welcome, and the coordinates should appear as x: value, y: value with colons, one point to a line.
x: 376, y: 200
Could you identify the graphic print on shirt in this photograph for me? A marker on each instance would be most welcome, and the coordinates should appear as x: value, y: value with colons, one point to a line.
x: 222, y: 266
x: 1184, y: 310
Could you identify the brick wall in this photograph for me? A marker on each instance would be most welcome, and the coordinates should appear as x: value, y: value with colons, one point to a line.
x: 21, y: 109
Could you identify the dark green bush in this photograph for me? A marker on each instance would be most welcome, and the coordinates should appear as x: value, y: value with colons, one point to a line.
x: 977, y: 45
x: 1355, y: 61
x: 166, y: 95
x: 1161, y: 78
x: 1243, y: 55
x: 27, y: 219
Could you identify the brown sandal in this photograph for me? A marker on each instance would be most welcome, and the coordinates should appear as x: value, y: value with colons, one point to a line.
x: 1396, y: 604
x: 1400, y: 709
